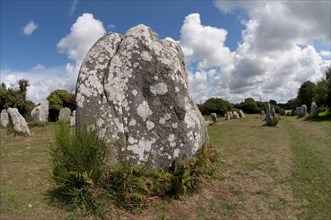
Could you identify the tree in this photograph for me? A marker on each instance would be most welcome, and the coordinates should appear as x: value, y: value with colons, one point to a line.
x: 251, y: 106
x: 273, y: 102
x: 322, y: 94
x: 23, y: 85
x: 306, y: 93
x: 59, y: 99
x: 16, y: 98
x: 215, y: 105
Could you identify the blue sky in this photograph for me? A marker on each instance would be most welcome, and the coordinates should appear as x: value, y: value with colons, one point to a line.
x: 246, y: 49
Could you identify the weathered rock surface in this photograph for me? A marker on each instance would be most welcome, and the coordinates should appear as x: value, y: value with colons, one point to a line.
x: 213, y: 117
x: 303, y: 110
x: 229, y: 116
x: 313, y: 110
x: 4, y: 118
x: 40, y: 113
x: 270, y: 114
x: 297, y: 111
x: 241, y: 114
x: 18, y: 122
x: 73, y: 119
x: 133, y: 88
x: 236, y: 115
x: 64, y: 114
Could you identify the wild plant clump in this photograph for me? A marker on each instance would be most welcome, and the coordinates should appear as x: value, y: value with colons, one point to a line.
x: 84, y: 182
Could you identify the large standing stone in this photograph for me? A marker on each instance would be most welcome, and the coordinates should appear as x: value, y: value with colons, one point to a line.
x: 133, y: 88
x: 18, y: 122
x: 313, y: 110
x: 213, y: 117
x: 64, y: 114
x: 4, y: 118
x: 270, y: 114
x: 242, y: 114
x: 40, y: 113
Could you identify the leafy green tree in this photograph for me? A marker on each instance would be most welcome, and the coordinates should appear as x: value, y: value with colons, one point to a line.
x: 215, y: 105
x: 59, y: 99
x: 16, y: 98
x: 251, y: 106
x: 322, y: 95
x: 306, y: 94
x: 273, y: 102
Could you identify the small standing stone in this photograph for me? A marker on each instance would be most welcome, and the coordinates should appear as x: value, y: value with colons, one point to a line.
x: 4, y: 118
x: 313, y: 110
x: 73, y: 119
x: 227, y: 116
x: 271, y: 119
x: 40, y: 113
x: 18, y: 122
x: 303, y: 110
x: 236, y: 115
x: 64, y: 114
x: 297, y: 111
x: 213, y: 117
x: 242, y: 114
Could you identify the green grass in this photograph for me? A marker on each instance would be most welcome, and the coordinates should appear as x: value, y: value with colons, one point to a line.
x: 280, y: 172
x: 311, y: 170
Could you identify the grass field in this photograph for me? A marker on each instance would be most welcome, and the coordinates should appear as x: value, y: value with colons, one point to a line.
x: 281, y: 172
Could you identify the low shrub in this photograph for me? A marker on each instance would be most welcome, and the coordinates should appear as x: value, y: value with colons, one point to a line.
x: 84, y: 182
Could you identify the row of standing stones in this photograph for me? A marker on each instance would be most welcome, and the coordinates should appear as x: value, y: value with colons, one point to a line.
x: 302, y: 110
x: 133, y: 89
x: 228, y: 116
x: 39, y: 114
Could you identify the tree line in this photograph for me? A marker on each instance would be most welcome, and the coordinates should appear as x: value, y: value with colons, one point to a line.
x: 307, y: 93
x: 16, y: 98
x: 60, y: 98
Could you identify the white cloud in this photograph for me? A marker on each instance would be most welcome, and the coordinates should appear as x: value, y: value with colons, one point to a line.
x: 39, y: 67
x: 268, y: 62
x: 42, y: 82
x: 325, y: 53
x: 204, y: 43
x: 30, y: 28
x: 83, y: 34
x: 73, y: 7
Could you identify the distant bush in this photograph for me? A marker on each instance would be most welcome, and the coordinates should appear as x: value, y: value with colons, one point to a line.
x: 215, y: 105
x: 84, y: 182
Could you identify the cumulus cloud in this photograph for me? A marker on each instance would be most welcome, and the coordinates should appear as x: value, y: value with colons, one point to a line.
x: 42, y: 81
x: 204, y: 43
x: 276, y: 54
x: 325, y: 53
x: 83, y: 34
x: 29, y: 28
